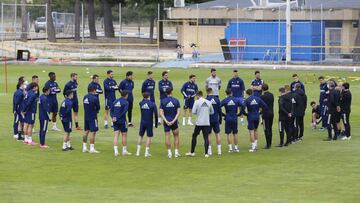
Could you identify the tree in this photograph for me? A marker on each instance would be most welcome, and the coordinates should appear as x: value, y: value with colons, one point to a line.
x: 50, y: 24
x: 91, y: 18
x: 77, y: 20
x: 356, y: 52
x: 24, y: 21
x: 108, y: 19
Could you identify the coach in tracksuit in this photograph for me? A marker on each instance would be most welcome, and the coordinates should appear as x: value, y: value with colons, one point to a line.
x: 52, y: 98
x: 44, y: 116
x: 346, y: 109
x: 322, y: 101
x: 149, y: 116
x: 72, y: 85
x: 95, y: 84
x: 128, y: 85
x: 202, y: 109
x: 66, y: 119
x: 110, y: 87
x: 18, y: 98
x: 91, y: 109
x: 299, y: 105
x: 268, y: 114
x: 189, y: 90
x: 149, y: 86
x: 333, y: 105
x: 286, y: 121
x: 215, y: 120
x: 118, y: 114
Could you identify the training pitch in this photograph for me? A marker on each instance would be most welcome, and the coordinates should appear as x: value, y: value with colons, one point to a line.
x: 310, y: 171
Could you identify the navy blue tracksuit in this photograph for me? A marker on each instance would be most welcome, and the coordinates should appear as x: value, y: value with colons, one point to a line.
x: 110, y: 87
x: 65, y: 115
x: 44, y: 117
x: 237, y: 87
x: 232, y: 106
x: 149, y: 87
x: 118, y: 110
x: 72, y: 85
x: 18, y: 98
x: 149, y: 115
x: 322, y: 102
x: 253, y: 105
x: 128, y: 85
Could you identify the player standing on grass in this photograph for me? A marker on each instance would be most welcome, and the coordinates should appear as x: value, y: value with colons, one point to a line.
x: 148, y: 112
x: 202, y: 109
x: 254, y: 106
x: 189, y: 90
x: 18, y: 98
x: 44, y: 116
x: 118, y: 112
x: 256, y: 84
x: 72, y: 85
x: 232, y: 106
x: 170, y: 112
x: 333, y: 106
x: 95, y: 83
x: 29, y: 111
x: 128, y: 85
x: 91, y: 109
x: 286, y: 121
x: 300, y: 104
x: 214, y: 82
x: 164, y: 84
x: 149, y: 86
x: 268, y: 115
x: 52, y: 98
x: 66, y: 119
x: 346, y: 98
x: 237, y: 86
x: 322, y: 101
x: 296, y: 81
x: 110, y: 87
x: 215, y: 120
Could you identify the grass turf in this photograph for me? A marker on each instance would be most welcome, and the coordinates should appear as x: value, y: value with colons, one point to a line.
x: 312, y: 171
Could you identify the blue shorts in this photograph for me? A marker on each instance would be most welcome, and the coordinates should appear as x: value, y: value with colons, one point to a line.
x: 29, y: 118
x: 75, y: 106
x: 171, y: 128
x: 91, y: 125
x: 108, y: 103
x: 67, y: 126
x: 215, y: 126
x: 231, y: 127
x: 253, y: 124
x: 53, y: 106
x: 189, y: 103
x: 120, y: 126
x: 148, y: 128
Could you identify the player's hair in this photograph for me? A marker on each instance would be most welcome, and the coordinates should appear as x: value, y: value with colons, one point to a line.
x: 149, y: 72
x: 282, y: 89
x: 45, y: 89
x: 169, y: 91
x: 228, y: 91
x: 92, y: 88
x: 265, y: 87
x: 256, y: 72
x: 199, y: 93
x: 331, y: 84
x: 51, y: 74
x: 295, y: 75
x: 191, y: 76
x: 73, y: 75
x: 95, y: 76
x: 109, y: 71
x: 321, y: 78
x: 346, y: 85
x: 129, y: 73
x: 164, y: 73
x: 297, y: 86
x: 33, y: 84
x: 209, y: 90
x: 68, y: 93
x: 34, y: 77
x: 312, y: 103
x: 20, y: 82
x: 287, y: 87
x: 249, y: 91
x: 146, y: 95
x: 235, y: 70
x: 212, y: 70
x: 124, y: 93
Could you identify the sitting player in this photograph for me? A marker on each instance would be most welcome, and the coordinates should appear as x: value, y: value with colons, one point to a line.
x: 315, y: 114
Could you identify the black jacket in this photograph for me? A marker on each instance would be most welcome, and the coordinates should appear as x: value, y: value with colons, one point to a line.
x: 333, y: 101
x: 285, y: 106
x: 299, y: 103
x: 268, y: 98
x: 346, y: 101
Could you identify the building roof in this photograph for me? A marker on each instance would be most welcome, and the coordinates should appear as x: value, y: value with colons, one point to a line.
x: 314, y: 4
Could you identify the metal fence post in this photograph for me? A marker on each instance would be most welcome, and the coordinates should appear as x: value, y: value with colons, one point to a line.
x: 15, y: 25
x: 158, y: 36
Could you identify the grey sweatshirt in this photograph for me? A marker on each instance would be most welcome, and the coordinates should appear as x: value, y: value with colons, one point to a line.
x: 214, y: 84
x: 203, y: 109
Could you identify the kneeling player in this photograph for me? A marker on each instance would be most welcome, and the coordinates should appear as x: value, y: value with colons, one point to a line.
x: 148, y: 109
x: 315, y: 114
x: 66, y: 119
x: 169, y: 112
x: 118, y: 114
x: 215, y: 120
x: 254, y: 105
x: 29, y: 112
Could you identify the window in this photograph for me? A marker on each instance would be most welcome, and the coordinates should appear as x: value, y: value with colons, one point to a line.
x: 333, y: 24
x: 210, y: 22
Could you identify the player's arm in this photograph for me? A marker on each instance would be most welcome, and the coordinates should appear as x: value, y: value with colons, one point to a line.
x: 112, y: 112
x: 211, y: 109
x: 107, y: 87
x: 163, y: 116
x: 178, y: 111
x: 196, y: 90
x: 57, y: 89
x: 155, y: 116
x: 195, y: 107
x: 125, y: 109
x: 219, y: 84
x: 66, y: 88
x: 99, y: 90
x: 183, y: 92
x: 143, y: 87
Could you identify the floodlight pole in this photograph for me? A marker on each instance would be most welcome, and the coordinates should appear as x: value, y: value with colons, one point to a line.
x: 15, y: 24
x: 288, y: 31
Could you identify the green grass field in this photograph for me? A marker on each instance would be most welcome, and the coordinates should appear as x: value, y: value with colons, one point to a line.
x: 312, y: 171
